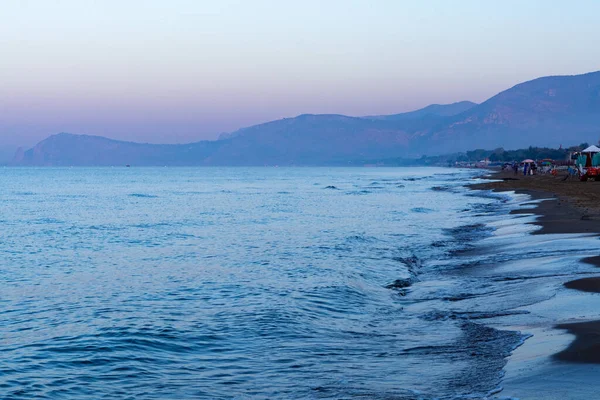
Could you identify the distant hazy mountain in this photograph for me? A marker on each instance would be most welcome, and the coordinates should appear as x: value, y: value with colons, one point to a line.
x: 433, y: 110
x: 312, y: 139
x: 66, y: 149
x: 545, y: 112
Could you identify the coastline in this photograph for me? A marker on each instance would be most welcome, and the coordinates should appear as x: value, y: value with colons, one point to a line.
x: 576, y: 208
x: 571, y: 348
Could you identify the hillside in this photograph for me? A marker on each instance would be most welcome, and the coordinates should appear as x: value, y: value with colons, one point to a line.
x: 433, y: 110
x: 547, y: 111
x: 313, y: 139
x: 66, y: 149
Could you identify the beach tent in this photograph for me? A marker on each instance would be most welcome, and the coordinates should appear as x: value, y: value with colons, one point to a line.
x: 589, y: 157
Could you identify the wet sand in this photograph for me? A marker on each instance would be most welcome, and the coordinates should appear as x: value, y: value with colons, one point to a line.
x: 592, y: 260
x: 585, y: 285
x: 575, y: 205
x: 586, y: 347
x: 569, y: 206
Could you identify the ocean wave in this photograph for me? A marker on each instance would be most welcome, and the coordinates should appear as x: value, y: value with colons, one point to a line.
x: 143, y: 196
x: 421, y: 210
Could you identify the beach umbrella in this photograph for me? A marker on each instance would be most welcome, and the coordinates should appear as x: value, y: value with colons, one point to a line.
x: 529, y: 160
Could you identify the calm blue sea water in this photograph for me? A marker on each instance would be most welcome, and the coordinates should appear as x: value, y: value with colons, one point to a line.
x: 173, y: 283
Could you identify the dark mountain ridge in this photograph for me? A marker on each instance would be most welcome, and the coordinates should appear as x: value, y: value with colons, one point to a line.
x: 65, y: 149
x: 545, y: 112
x: 439, y: 110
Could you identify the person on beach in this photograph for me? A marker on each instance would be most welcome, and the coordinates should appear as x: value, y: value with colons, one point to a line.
x: 515, y: 168
x: 525, y: 169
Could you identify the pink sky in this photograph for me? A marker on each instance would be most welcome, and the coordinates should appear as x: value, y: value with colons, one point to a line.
x: 187, y: 70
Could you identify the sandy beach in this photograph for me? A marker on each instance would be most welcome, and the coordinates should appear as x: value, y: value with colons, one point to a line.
x: 577, y: 205
x: 569, y: 207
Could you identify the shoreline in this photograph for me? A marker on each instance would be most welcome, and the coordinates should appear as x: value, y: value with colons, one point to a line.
x: 576, y: 208
x: 561, y: 207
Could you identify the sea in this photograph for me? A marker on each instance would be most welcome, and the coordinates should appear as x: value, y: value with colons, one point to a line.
x: 266, y: 283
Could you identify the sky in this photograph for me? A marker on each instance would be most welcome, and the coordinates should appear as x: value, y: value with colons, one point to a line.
x: 186, y: 70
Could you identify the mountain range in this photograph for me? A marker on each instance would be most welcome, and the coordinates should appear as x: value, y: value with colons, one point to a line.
x: 547, y: 111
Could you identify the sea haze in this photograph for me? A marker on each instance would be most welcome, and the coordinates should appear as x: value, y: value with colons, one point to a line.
x: 153, y: 283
